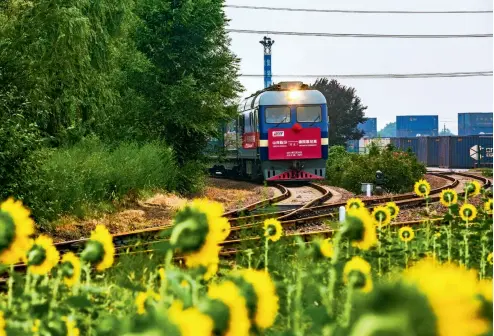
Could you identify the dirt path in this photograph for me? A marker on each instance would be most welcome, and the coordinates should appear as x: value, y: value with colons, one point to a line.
x: 160, y: 209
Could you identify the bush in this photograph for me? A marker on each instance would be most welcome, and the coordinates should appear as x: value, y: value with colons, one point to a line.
x: 91, y: 175
x: 349, y: 170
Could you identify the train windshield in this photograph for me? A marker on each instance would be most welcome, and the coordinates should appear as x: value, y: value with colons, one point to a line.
x: 278, y: 115
x: 309, y: 113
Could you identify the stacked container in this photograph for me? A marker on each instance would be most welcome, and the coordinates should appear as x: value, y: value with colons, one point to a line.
x: 417, y: 125
x: 369, y: 127
x: 474, y: 123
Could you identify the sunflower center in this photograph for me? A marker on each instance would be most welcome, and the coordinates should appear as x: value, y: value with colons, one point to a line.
x: 36, y: 256
x: 467, y: 212
x: 392, y: 211
x: 423, y: 188
x: 7, y: 230
x: 405, y: 234
x: 354, y: 205
x: 67, y: 269
x: 355, y: 228
x: 248, y: 292
x: 219, y: 313
x: 357, y: 279
x: 380, y: 216
x: 191, y: 231
x: 271, y: 230
x: 94, y: 252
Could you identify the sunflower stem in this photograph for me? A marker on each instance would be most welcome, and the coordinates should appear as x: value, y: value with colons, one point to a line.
x: 297, y: 328
x: 482, y: 261
x: 87, y: 270
x: 379, y: 249
x: 406, y: 254
x: 266, y: 249
x: 332, y: 275
x: 27, y: 285
x: 11, y: 286
x: 449, y: 233
x: 55, y: 293
x: 465, y: 241
x: 348, y: 304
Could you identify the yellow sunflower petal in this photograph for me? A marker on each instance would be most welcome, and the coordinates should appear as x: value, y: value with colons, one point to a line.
x: 76, y: 267
x: 101, y: 235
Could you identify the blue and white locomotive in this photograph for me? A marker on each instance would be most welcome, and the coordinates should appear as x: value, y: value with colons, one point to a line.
x: 280, y: 134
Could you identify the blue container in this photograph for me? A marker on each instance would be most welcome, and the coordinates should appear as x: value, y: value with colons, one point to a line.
x: 428, y: 151
x: 465, y: 151
x: 414, y: 125
x: 352, y: 146
x: 474, y: 123
x: 405, y: 143
x: 369, y: 127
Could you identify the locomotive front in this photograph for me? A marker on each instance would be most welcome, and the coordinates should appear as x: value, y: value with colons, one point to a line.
x: 293, y: 131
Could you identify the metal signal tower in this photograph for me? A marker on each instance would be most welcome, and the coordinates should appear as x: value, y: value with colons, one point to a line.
x: 267, y: 43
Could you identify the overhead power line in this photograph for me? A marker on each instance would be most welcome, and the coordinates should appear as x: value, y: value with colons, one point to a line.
x: 358, y: 11
x: 435, y: 36
x: 383, y: 76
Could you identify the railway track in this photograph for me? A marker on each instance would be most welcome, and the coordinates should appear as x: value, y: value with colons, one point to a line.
x: 311, y: 212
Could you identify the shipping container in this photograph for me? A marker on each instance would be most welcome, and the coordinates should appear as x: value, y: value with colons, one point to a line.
x: 474, y: 123
x: 428, y: 151
x: 417, y: 125
x: 369, y: 127
x: 465, y: 151
x: 405, y: 143
x: 352, y: 146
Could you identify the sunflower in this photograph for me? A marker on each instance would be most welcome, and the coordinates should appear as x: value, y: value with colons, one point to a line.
x: 99, y: 249
x: 2, y: 325
x: 326, y: 248
x: 422, y: 188
x: 354, y: 203
x: 35, y: 327
x: 214, y: 213
x: 489, y: 258
x: 71, y: 326
x: 359, y: 228
x: 42, y: 256
x: 393, y: 209
x: 272, y: 229
x: 472, y: 188
x: 450, y: 290
x: 71, y: 269
x: 406, y: 234
x: 228, y: 309
x: 381, y: 215
x: 358, y: 270
x: 488, y: 206
x: 142, y: 298
x: 211, y: 270
x: 190, y: 322
x: 468, y: 212
x: 448, y: 197
x: 199, y: 228
x: 16, y: 226
x: 259, y: 292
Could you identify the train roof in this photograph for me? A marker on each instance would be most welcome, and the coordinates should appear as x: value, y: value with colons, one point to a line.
x: 283, y: 97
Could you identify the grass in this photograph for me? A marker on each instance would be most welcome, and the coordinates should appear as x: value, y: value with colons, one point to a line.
x: 92, y: 177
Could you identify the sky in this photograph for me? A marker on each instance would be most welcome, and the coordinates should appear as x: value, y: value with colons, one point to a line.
x: 385, y: 98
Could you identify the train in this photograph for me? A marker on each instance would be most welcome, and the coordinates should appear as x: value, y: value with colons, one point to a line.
x: 280, y: 134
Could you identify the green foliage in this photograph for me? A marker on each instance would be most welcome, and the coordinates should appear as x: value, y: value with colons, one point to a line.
x: 445, y: 132
x: 388, y: 131
x: 487, y: 172
x: 348, y: 170
x: 134, y: 72
x: 81, y: 178
x: 345, y: 111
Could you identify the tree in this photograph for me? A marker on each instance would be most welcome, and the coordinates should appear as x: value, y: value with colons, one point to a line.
x: 388, y: 131
x: 445, y: 132
x: 345, y: 111
x: 193, y: 81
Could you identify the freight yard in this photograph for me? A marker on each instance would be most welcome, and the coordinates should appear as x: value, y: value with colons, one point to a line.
x: 153, y: 183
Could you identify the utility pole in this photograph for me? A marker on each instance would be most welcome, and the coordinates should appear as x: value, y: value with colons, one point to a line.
x: 267, y: 43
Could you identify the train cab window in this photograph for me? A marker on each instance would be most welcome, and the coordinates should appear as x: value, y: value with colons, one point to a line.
x: 278, y: 115
x: 309, y: 113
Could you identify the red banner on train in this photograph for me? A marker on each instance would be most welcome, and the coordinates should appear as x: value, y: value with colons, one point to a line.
x: 287, y: 144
